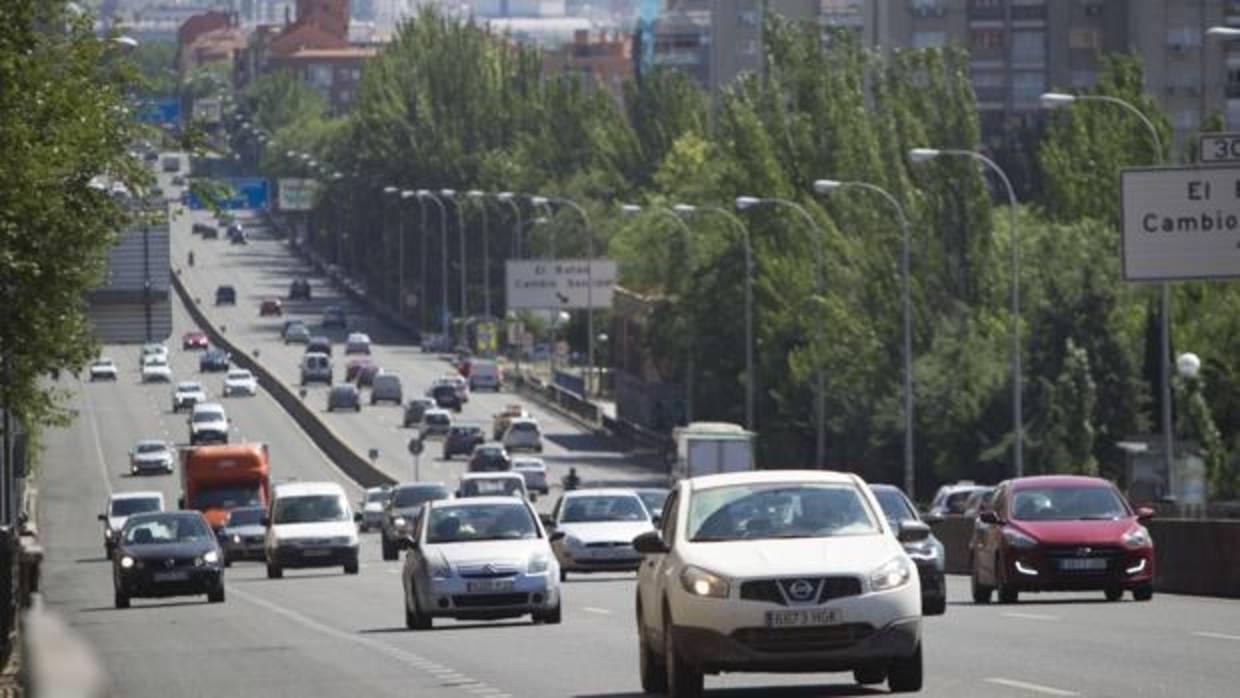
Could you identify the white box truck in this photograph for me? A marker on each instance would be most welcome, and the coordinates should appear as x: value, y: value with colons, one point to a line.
x: 706, y: 448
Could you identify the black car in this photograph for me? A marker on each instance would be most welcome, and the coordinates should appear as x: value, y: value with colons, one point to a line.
x: 334, y: 316
x: 167, y: 554
x: 928, y: 554
x: 344, y: 396
x: 205, y: 230
x: 462, y: 439
x: 490, y: 458
x: 214, y: 360
x: 225, y: 295
x: 401, y: 512
x: 319, y: 345
x: 415, y: 409
x: 446, y: 397
x: 243, y: 536
x: 299, y: 289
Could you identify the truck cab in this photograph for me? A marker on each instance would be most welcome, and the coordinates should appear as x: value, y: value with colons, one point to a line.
x: 217, y: 479
x: 709, y: 448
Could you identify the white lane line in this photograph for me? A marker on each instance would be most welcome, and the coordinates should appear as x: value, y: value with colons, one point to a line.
x: 408, y: 658
x: 1217, y: 636
x: 1033, y: 687
x: 1029, y: 616
x: 103, y: 461
x: 600, y: 611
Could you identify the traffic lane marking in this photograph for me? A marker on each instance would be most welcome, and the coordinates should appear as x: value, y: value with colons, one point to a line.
x: 1032, y: 687
x: 599, y: 611
x: 1029, y: 616
x: 1217, y: 636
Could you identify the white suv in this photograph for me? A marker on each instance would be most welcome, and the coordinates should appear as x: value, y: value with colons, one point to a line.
x: 310, y: 525
x: 780, y: 571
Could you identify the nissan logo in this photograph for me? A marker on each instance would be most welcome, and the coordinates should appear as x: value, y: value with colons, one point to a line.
x: 1084, y: 552
x: 801, y: 590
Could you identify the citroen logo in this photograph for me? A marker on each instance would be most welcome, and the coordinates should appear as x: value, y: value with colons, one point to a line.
x: 489, y: 569
x: 1084, y: 552
x: 801, y: 590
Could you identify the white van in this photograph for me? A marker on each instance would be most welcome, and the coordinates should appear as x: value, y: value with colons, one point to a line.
x: 485, y: 375
x: 316, y: 367
x: 310, y: 525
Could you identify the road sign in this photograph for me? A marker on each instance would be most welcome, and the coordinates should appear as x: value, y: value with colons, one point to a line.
x: 158, y: 110
x: 560, y: 283
x: 296, y: 194
x: 415, y: 444
x: 250, y: 193
x: 1219, y: 147
x: 1180, y: 223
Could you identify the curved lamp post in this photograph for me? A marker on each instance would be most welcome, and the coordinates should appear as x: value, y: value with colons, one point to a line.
x: 589, y: 230
x: 450, y: 194
x: 480, y: 197
x: 443, y: 256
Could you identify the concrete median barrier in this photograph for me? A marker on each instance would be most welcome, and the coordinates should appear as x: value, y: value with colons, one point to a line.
x: 353, y: 464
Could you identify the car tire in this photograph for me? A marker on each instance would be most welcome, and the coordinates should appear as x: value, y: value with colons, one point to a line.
x: 1007, y: 593
x: 216, y: 596
x: 552, y: 617
x: 274, y: 571
x: 653, y: 673
x: 390, y: 552
x: 683, y: 679
x: 935, y: 606
x: 1113, y: 594
x: 352, y: 566
x: 227, y: 561
x: 905, y: 674
x: 563, y: 575
x: 870, y: 675
x: 1145, y: 592
x: 981, y: 592
x: 121, y: 599
x: 415, y: 619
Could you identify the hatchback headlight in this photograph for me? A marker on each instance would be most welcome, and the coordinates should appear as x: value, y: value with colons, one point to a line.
x: 109, y: 533
x: 1018, y: 540
x: 210, y: 557
x: 440, y: 570
x: 127, y: 562
x: 236, y: 538
x: 891, y: 574
x: 539, y: 562
x: 700, y: 582
x: 1138, y: 537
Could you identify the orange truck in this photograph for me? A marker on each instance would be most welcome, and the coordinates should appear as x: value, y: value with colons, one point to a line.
x: 217, y: 479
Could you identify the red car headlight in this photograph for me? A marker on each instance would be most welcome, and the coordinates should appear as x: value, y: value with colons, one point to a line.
x: 1138, y: 537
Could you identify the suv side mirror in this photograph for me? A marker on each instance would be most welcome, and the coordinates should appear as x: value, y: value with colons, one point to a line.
x: 1145, y: 514
x: 556, y: 535
x: 932, y: 518
x: 651, y: 543
x: 546, y: 520
x: 912, y: 531
x: 988, y: 517
x: 102, y: 517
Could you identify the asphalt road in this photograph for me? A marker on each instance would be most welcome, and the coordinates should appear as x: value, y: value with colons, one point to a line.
x: 325, y: 634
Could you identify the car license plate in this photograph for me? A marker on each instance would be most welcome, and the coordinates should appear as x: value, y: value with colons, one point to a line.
x: 314, y: 552
x: 803, y: 618
x: 1083, y: 563
x: 486, y: 586
x: 178, y: 576
x: 610, y: 553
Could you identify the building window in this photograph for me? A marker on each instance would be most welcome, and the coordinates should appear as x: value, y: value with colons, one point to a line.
x: 927, y: 8
x: 1182, y: 38
x: 1084, y: 38
x: 1029, y: 47
x: 320, y: 74
x: 1027, y: 89
x: 986, y: 4
x: 1185, y: 119
x: 986, y: 39
x: 929, y: 39
x: 1084, y: 78
x: 982, y: 80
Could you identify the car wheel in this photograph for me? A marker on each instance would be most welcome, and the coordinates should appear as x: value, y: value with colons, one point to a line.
x: 351, y: 567
x: 934, y: 606
x: 552, y: 617
x: 563, y: 575
x: 121, y: 599
x: 389, y: 550
x: 1145, y: 592
x: 653, y: 674
x: 216, y: 596
x: 870, y: 675
x: 1113, y: 594
x: 274, y: 571
x: 227, y: 561
x: 415, y: 619
x: 683, y: 680
x: 981, y: 592
x: 1008, y: 594
x: 905, y: 674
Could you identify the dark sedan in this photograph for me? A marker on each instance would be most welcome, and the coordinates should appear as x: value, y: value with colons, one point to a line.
x: 490, y: 458
x: 299, y: 289
x: 344, y: 396
x: 167, y: 554
x: 225, y: 295
x: 928, y: 554
x: 461, y: 439
x: 446, y: 396
x: 401, y: 512
x: 214, y: 360
x: 243, y: 536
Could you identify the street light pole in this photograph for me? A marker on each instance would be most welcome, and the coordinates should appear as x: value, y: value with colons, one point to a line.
x: 589, y: 227
x: 392, y: 191
x: 400, y: 304
x: 750, y: 374
x: 460, y: 228
x: 480, y: 197
x: 924, y: 154
x: 1054, y: 100
x: 745, y: 202
x: 690, y: 369
x: 824, y: 186
x: 443, y: 258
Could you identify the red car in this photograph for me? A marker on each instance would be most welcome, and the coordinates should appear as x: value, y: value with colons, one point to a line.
x: 1062, y: 533
x: 194, y: 340
x: 354, y: 367
x: 271, y: 306
x: 366, y: 376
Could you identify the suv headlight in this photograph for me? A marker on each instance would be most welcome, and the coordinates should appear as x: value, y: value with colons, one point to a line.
x: 1138, y: 537
x: 699, y: 582
x: 923, y: 549
x: 891, y: 574
x: 109, y: 533
x: 1018, y: 540
x: 126, y: 562
x: 208, y: 558
x: 539, y: 562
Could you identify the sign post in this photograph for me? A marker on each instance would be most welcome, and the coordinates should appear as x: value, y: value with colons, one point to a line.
x: 415, y: 449
x: 566, y: 284
x: 1180, y: 223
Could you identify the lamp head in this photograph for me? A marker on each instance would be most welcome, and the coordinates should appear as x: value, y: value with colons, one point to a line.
x: 630, y: 209
x: 826, y: 186
x: 1054, y: 100
x: 447, y: 192
x: 684, y: 209
x: 389, y: 189
x: 744, y: 202
x: 923, y: 154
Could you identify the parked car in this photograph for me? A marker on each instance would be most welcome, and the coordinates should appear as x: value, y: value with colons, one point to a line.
x: 489, y: 458
x: 357, y: 343
x: 240, y: 381
x: 187, y: 394
x: 1062, y: 533
x: 243, y: 535
x: 167, y: 554
x: 928, y: 554
x: 415, y: 409
x: 194, y: 339
x: 225, y: 295
x: 270, y: 307
x: 151, y: 455
x: 333, y: 316
x: 534, y: 470
x: 386, y: 387
x: 401, y: 512
x: 344, y: 396
x: 103, y: 370
x: 461, y: 439
x: 299, y: 289
x: 316, y: 368
x: 214, y: 361
x: 523, y: 435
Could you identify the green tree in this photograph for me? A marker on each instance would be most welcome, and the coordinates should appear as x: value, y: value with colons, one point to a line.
x: 1068, y: 443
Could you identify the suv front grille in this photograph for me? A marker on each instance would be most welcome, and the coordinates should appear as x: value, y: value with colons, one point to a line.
x: 786, y: 591
x: 818, y: 639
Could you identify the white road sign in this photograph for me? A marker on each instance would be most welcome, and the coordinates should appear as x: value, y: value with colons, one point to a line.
x: 296, y: 194
x: 560, y: 283
x: 1219, y: 147
x: 1181, y: 223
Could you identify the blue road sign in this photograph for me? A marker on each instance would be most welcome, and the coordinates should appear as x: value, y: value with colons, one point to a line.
x: 158, y: 110
x: 249, y: 193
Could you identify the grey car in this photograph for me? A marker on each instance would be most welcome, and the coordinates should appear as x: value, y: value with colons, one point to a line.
x: 344, y: 396
x: 927, y: 554
x: 415, y: 410
x: 243, y: 536
x: 401, y: 512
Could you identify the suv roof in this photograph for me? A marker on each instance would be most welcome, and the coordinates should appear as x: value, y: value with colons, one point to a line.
x: 297, y: 489
x: 148, y: 494
x: 761, y: 477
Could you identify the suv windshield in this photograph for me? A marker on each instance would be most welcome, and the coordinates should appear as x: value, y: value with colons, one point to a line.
x: 249, y: 516
x: 413, y: 496
x: 784, y: 510
x: 1067, y: 504
x: 208, y: 416
x: 500, y: 486
x: 459, y: 524
x: 128, y: 507
x: 167, y: 529
x: 603, y: 508
x: 228, y: 497
x: 152, y: 448
x: 309, y: 508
